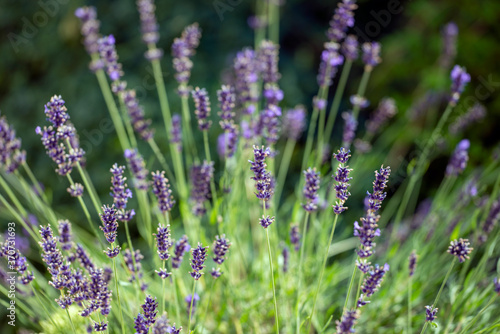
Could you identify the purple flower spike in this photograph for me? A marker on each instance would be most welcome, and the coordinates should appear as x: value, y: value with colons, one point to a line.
x: 51, y: 255
x: 342, y: 178
x: 162, y: 191
x: 265, y: 222
x: 268, y: 60
x: 458, y: 160
x: 176, y: 133
x: 459, y: 79
x: 120, y: 193
x: 371, y: 54
x: 65, y: 237
x: 202, y: 108
x: 350, y: 126
x: 430, y: 313
x: 373, y: 280
x: 11, y: 155
x: 141, y: 324
x: 191, y: 299
x: 109, y: 222
x: 221, y: 247
x: 386, y: 110
x: 163, y: 242
x: 449, y: 50
x: 460, y: 248
x: 90, y: 28
x: 183, y: 49
x: 138, y: 167
x: 261, y: 176
x: 245, y: 68
x: 496, y: 285
x: 295, y: 236
x: 286, y: 258
x: 149, y: 309
x: 294, y: 122
x: 198, y: 261
x: 181, y: 247
x: 330, y: 60
x: 100, y: 326
x: 83, y: 258
x: 381, y: 178
x: 200, y: 191
x: 107, y: 51
x: 136, y: 113
x: 412, y: 263
x: 349, y: 319
x: 342, y: 20
x: 75, y: 190
x: 228, y: 140
x: 350, y: 47
x: 311, y: 188
x: 149, y: 27
x: 216, y: 273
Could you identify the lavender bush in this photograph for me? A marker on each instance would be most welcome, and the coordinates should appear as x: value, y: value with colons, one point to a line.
x: 237, y: 229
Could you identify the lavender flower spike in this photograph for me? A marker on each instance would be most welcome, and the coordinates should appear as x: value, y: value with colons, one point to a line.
x: 200, y: 191
x: 412, y: 263
x: 11, y: 155
x: 349, y: 319
x: 198, y: 261
x: 460, y: 248
x: 342, y: 178
x: 183, y: 49
x: 163, y: 242
x: 449, y: 34
x: 65, y: 235
x: 375, y: 199
x: 221, y: 247
x: 90, y: 32
x: 371, y: 55
x: 120, y: 193
x: 176, y: 133
x: 386, y: 109
x: 109, y: 222
x: 138, y: 168
x: 261, y: 176
x: 107, y: 51
x: 162, y: 191
x: 181, y: 247
x: 459, y: 79
x: 202, y: 108
x: 149, y: 28
x: 372, y: 282
x: 350, y: 47
x: 311, y: 188
x: 342, y: 20
x: 458, y: 160
x: 430, y: 313
x: 350, y: 126
x: 295, y: 236
x: 191, y: 299
x: 294, y: 122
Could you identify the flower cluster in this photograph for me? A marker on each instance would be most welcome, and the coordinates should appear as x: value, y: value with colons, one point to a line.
x: 371, y: 55
x: 149, y: 28
x: 90, y: 32
x: 295, y: 236
x: 386, y: 110
x: 65, y: 237
x: 460, y: 248
x: 350, y: 126
x: 226, y: 99
x: 108, y: 54
x: 146, y: 319
x: 202, y: 108
x: 198, y: 261
x: 330, y: 61
x: 11, y: 155
x: 412, y: 263
x: 59, y: 139
x: 134, y: 265
x: 200, y: 191
x: 430, y: 313
x: 181, y: 246
x: 109, y: 219
x: 342, y: 178
x: 162, y: 191
x: 163, y: 241
x: 138, y: 167
x: 459, y: 79
x: 136, y: 114
x: 183, y: 49
x: 120, y: 193
x: 378, y: 195
x: 311, y: 188
x: 294, y: 122
x: 372, y: 282
x: 176, y: 132
x: 342, y: 20
x: 349, y: 319
x: 246, y: 72
x: 459, y: 158
x: 262, y: 178
x: 350, y: 47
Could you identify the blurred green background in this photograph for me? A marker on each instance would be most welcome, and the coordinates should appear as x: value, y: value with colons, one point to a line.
x: 51, y: 60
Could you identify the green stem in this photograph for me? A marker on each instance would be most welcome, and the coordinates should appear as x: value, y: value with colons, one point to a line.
x: 189, y: 138
x: 334, y: 109
x: 284, y: 165
x: 90, y: 188
x: 208, y: 304
x: 122, y: 322
x: 126, y: 120
x: 362, y: 89
x: 129, y: 240
x: 43, y: 306
x: 71, y: 321
x: 323, y: 95
x: 322, y: 271
x: 13, y: 197
x: 351, y: 283
x: 464, y: 331
x: 272, y: 280
x: 409, y: 303
x: 208, y: 157
x: 35, y: 182
x: 19, y: 218
x: 191, y: 307
x: 161, y: 159
x: 301, y: 260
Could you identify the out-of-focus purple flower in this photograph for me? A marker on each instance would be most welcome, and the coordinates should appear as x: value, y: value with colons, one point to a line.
x: 348, y: 321
x: 194, y: 299
x: 120, y: 193
x: 261, y: 176
x: 136, y: 114
x: 359, y: 102
x: 163, y: 242
x: 366, y: 232
x: 491, y: 220
x: 198, y: 261
x: 350, y: 47
x: 11, y: 155
x: 342, y: 178
x: 330, y: 60
x: 268, y: 124
x: 138, y: 168
x: 221, y: 247
x: 459, y: 158
x: 364, y: 266
x: 226, y: 144
x: 83, y: 258
x: 286, y: 257
x: 161, y: 325
x: 149, y: 26
x: 342, y: 20
x: 183, y: 49
x: 181, y: 246
x: 75, y: 190
x: 107, y: 52
x: 149, y: 308
x: 371, y: 54
x: 430, y: 313
x: 162, y: 191
x: 376, y: 198
x: 216, y: 273
x: 295, y: 236
x: 294, y: 122
x: 311, y: 187
x: 425, y: 103
x: 386, y: 110
x: 202, y: 108
x: 266, y: 221
x: 449, y: 34
x: 65, y: 236
x: 176, y: 133
x: 496, y: 284
x: 459, y: 79
x: 135, y: 271
x: 90, y: 32
x: 256, y: 22
x: 227, y: 99
x: 460, y: 248
x: 246, y: 71
x: 268, y: 60
x: 412, y: 263
x: 200, y: 191
x: 350, y: 126
x: 141, y: 324
x: 362, y: 146
x: 474, y: 114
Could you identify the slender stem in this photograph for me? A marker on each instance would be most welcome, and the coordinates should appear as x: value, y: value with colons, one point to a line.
x: 13, y: 197
x: 362, y: 89
x: 301, y: 260
x: 323, y: 95
x: 191, y: 307
x: 129, y: 240
x: 43, y: 305
x: 334, y: 109
x: 70, y: 321
x: 351, y: 283
x: 35, y: 182
x: 118, y: 293
x: 161, y: 159
x: 90, y: 188
x: 19, y: 218
x: 272, y: 280
x: 163, y: 291
x: 358, y: 291
x: 322, y: 271
x: 274, y: 20
x: 186, y: 118
x: 177, y: 312
x: 284, y: 165
x: 126, y: 120
x: 208, y: 157
x: 479, y: 314
x: 208, y: 304
x: 410, y: 281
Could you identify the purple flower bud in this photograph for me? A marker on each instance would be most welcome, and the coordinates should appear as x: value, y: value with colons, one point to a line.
x: 371, y: 54
x: 459, y: 158
x: 459, y: 79
x: 90, y: 28
x: 294, y: 122
x: 83, y: 258
x: 200, y: 191
x: 11, y: 155
x: 138, y: 167
x: 51, y: 255
x: 342, y: 20
x: 460, y: 248
x: 221, y: 247
x: 216, y: 273
x: 198, y: 261
x: 100, y: 326
x: 386, y: 110
x: 109, y: 222
x: 342, y: 178
x: 350, y: 126
x: 162, y: 191
x: 149, y: 27
x: 136, y: 114
x: 350, y: 47
x: 107, y: 51
x: 202, y: 108
x: 149, y: 308
x: 141, y: 324
x: 265, y: 222
x: 496, y: 284
x: 412, y: 263
x: 75, y: 190
x: 295, y: 236
x: 430, y: 313
x: 330, y: 60
x: 65, y: 237
x: 120, y: 193
x: 311, y: 187
x: 349, y: 319
x: 181, y: 247
x: 163, y: 242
